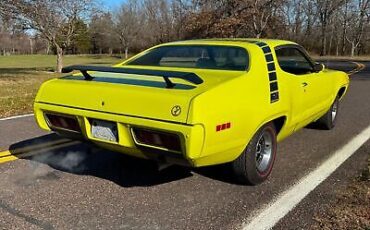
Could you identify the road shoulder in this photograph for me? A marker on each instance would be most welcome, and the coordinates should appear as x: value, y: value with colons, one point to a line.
x: 316, y: 210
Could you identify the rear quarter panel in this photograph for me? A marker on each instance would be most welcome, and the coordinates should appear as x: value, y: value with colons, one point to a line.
x: 244, y: 102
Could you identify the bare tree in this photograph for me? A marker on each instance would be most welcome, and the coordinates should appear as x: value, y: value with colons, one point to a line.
x: 261, y: 12
x: 359, y: 16
x: 129, y: 23
x: 160, y: 20
x: 325, y: 10
x: 102, y: 32
x: 54, y: 20
x: 322, y: 26
x: 235, y: 18
x: 181, y: 10
x: 294, y: 15
x: 335, y: 33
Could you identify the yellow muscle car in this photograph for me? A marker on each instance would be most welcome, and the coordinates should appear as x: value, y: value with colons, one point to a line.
x: 196, y: 103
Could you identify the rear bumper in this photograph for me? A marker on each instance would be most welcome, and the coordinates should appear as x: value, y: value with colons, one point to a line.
x: 191, y: 136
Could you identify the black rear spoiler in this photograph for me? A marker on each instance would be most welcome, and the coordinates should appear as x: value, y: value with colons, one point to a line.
x: 187, y: 76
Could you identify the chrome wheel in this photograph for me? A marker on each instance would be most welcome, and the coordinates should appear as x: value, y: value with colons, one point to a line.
x: 255, y: 163
x: 264, y: 152
x: 334, y: 111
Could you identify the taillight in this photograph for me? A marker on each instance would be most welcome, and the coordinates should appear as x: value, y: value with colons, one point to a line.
x: 162, y: 140
x: 63, y: 122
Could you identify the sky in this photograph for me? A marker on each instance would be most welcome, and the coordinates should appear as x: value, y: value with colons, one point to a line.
x: 112, y: 4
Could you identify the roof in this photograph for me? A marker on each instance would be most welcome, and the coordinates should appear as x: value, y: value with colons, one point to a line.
x: 232, y: 41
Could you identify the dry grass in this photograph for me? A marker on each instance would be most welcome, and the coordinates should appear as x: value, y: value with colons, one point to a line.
x: 48, y: 62
x: 21, y: 76
x: 351, y: 210
x: 18, y: 91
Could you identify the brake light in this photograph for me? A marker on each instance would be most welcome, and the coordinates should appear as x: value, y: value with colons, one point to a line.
x: 63, y: 122
x: 157, y: 139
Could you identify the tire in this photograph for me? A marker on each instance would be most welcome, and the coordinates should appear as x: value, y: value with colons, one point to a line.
x: 328, y: 120
x: 252, y: 167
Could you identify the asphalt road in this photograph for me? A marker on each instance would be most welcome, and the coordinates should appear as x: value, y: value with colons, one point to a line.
x: 73, y: 185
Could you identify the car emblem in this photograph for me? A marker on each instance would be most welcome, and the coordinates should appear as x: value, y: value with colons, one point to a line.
x: 176, y: 111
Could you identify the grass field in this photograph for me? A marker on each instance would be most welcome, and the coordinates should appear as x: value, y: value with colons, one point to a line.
x: 22, y: 75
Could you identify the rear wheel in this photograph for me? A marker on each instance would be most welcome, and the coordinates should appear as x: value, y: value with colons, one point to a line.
x: 328, y: 120
x: 255, y: 164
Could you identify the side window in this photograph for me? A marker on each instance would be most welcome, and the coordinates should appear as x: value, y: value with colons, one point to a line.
x: 293, y: 61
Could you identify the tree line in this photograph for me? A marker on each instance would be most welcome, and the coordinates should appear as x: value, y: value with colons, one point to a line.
x: 324, y: 27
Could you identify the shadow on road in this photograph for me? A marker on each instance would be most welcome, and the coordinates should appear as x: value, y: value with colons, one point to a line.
x: 219, y: 172
x: 86, y: 159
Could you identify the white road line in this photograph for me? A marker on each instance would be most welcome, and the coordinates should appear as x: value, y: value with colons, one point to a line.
x: 16, y: 117
x: 276, y: 210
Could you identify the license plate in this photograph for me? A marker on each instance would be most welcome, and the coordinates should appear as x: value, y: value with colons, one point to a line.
x: 104, y: 130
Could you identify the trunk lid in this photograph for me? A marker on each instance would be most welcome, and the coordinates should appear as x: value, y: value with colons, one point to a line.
x: 131, y: 95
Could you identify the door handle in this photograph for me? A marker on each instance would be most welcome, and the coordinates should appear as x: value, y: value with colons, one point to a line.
x: 304, y: 84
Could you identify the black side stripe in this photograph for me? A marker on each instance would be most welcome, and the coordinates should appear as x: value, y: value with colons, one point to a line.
x: 269, y: 58
x: 261, y: 44
x: 266, y: 49
x: 274, y: 86
x: 272, y: 76
x: 271, y: 66
x: 274, y: 96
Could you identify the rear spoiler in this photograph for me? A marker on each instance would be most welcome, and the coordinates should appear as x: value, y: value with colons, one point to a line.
x: 187, y: 76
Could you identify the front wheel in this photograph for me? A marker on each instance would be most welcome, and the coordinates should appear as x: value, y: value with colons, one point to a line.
x: 328, y: 120
x: 255, y: 164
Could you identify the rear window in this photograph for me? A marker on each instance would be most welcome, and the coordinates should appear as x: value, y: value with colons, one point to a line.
x: 203, y: 57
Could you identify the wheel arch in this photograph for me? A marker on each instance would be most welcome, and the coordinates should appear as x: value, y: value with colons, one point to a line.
x: 342, y: 90
x: 279, y: 123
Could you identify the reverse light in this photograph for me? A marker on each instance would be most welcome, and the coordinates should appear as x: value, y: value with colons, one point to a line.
x: 157, y: 139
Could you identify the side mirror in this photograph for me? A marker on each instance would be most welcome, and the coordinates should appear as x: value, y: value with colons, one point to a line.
x: 318, y: 67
